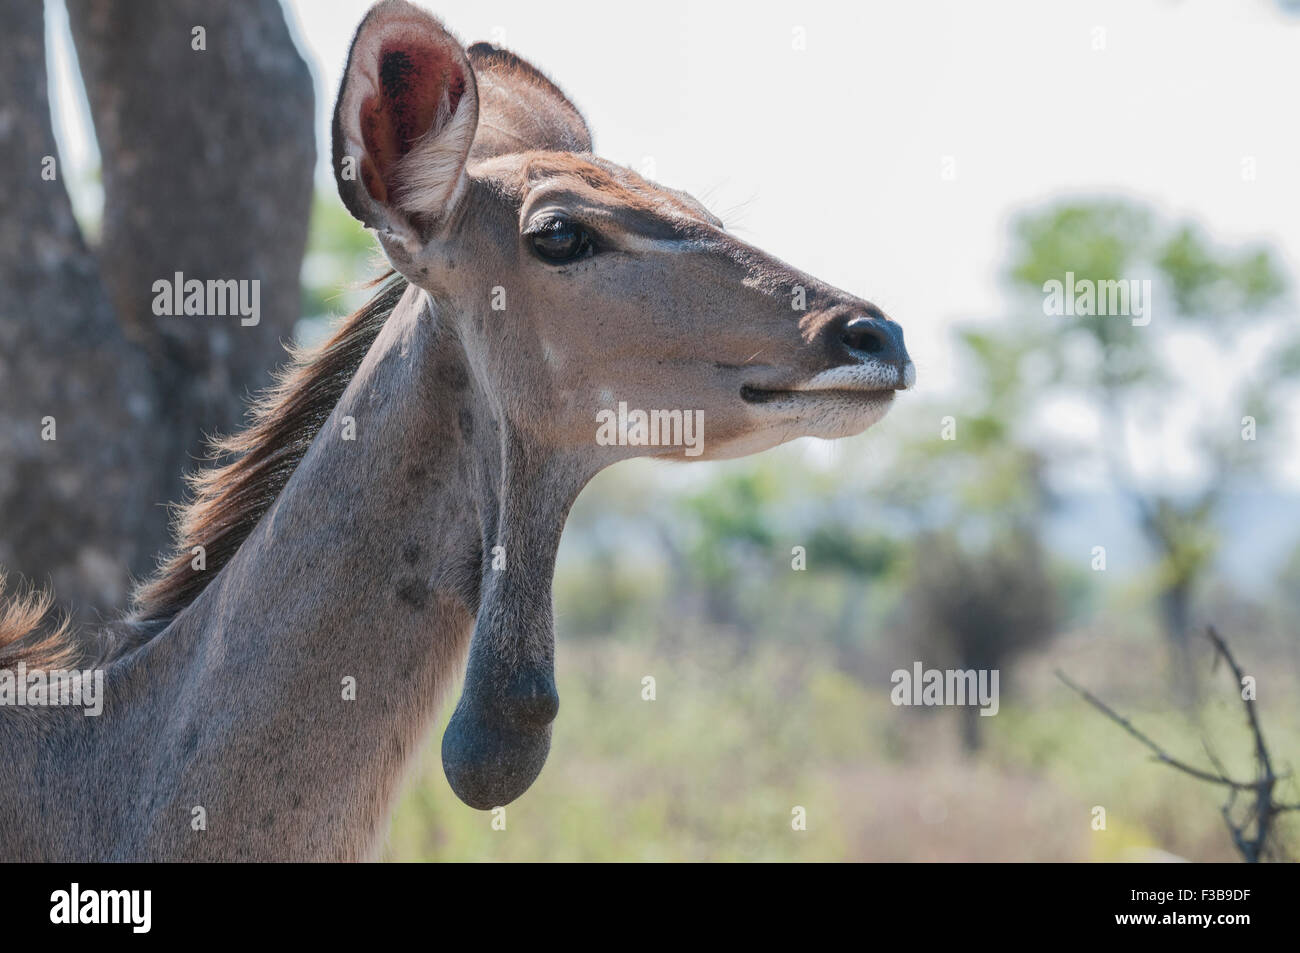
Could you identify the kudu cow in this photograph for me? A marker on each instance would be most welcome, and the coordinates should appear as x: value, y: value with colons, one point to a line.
x: 396, y: 503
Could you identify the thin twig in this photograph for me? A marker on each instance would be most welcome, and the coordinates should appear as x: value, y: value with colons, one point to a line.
x: 1160, y: 753
x: 1263, y: 810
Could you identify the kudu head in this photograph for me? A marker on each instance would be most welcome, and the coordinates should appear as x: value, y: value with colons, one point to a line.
x: 574, y: 286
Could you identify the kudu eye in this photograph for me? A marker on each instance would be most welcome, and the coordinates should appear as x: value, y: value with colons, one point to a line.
x: 560, y: 241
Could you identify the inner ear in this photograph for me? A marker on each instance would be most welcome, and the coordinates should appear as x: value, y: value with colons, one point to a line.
x: 404, y: 122
x: 420, y: 89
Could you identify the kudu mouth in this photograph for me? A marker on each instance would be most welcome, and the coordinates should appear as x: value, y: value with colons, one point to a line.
x: 867, y: 381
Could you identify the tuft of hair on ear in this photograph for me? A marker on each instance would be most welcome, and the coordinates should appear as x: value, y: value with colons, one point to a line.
x: 423, y: 176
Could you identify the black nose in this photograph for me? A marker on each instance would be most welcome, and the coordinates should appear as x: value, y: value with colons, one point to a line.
x: 876, y: 337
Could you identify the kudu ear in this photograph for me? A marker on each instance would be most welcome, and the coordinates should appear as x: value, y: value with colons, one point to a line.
x: 404, y: 121
x: 522, y: 110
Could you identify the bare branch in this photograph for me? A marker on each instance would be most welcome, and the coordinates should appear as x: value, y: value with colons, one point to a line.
x: 1261, y: 749
x: 1161, y: 755
x: 1263, y: 809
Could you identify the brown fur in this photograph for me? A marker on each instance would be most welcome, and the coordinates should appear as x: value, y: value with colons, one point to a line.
x: 523, y: 109
x: 21, y: 639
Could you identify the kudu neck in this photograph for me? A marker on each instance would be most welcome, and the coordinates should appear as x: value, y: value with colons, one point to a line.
x: 350, y: 606
x: 416, y: 486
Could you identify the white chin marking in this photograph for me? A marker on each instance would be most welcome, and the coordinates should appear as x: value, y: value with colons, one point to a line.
x: 839, y: 402
x: 829, y: 414
x: 868, y: 376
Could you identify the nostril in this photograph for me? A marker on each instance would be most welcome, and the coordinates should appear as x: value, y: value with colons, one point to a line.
x: 865, y: 335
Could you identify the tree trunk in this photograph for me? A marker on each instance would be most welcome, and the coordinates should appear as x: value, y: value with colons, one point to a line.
x: 1175, y: 618
x: 972, y: 738
x: 207, y: 170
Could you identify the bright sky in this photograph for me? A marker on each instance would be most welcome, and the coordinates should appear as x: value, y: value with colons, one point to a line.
x: 832, y: 155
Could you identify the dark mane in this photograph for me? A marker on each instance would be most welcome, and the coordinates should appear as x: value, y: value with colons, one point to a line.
x: 228, y: 498
x: 251, y: 467
x: 21, y: 639
x: 247, y: 473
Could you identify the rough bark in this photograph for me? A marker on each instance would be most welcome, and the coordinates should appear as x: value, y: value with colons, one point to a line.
x: 69, y: 507
x: 207, y: 167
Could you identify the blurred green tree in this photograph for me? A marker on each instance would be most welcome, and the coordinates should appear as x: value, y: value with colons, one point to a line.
x: 1120, y: 365
x: 337, y: 245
